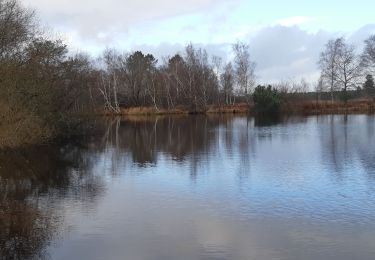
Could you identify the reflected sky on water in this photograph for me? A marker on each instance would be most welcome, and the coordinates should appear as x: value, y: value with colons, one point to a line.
x: 195, y: 187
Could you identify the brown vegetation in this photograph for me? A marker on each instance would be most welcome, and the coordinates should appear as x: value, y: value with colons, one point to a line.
x: 240, y: 108
x: 152, y: 111
x: 306, y: 107
x: 329, y: 107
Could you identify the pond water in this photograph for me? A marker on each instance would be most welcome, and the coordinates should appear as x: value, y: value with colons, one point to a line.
x: 195, y: 187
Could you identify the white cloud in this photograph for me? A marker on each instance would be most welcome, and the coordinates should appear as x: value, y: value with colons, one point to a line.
x: 295, y: 20
x: 284, y: 53
x: 93, y: 17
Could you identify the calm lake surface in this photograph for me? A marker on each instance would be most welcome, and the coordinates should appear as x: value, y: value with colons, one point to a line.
x: 197, y: 187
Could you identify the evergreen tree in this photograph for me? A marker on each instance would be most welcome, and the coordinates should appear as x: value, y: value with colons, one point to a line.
x: 369, y: 86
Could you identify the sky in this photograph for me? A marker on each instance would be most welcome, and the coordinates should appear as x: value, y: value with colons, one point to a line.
x: 285, y: 36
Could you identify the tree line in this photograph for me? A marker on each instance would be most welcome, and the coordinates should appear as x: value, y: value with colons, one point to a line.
x: 192, y: 79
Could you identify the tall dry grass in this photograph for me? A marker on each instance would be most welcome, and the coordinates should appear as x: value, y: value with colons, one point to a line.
x: 329, y: 107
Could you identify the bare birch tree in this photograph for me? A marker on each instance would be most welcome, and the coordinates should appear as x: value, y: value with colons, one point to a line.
x: 244, y: 68
x: 368, y: 55
x: 108, y: 85
x: 348, y: 68
x: 328, y: 64
x: 227, y: 82
x: 17, y: 27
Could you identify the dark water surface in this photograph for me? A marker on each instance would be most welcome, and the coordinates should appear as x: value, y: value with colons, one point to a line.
x: 195, y: 188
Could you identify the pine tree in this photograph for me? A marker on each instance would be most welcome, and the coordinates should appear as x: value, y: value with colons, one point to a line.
x: 369, y: 86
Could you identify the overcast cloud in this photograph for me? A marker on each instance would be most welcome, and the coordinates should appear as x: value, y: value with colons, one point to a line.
x: 285, y: 40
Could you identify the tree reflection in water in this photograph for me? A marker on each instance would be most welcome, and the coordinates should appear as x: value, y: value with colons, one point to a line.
x: 33, y: 183
x: 182, y: 138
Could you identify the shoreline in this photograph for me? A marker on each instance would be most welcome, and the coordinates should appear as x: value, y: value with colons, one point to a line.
x: 289, y: 108
x: 151, y: 111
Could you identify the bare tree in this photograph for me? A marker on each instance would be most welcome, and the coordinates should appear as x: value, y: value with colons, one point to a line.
x: 217, y: 62
x: 348, y: 68
x: 17, y: 27
x: 108, y: 88
x: 328, y: 64
x: 173, y: 72
x: 217, y: 67
x: 319, y: 88
x: 108, y: 83
x: 368, y: 55
x: 227, y: 82
x: 244, y: 68
x: 201, y: 80
x: 300, y: 87
x: 153, y: 86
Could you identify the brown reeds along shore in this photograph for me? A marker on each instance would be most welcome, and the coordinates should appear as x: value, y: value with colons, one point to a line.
x: 356, y: 106
x: 303, y: 107
x: 241, y: 108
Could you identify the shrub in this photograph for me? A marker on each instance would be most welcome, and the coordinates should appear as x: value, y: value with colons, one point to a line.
x: 267, y: 100
x: 369, y: 86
